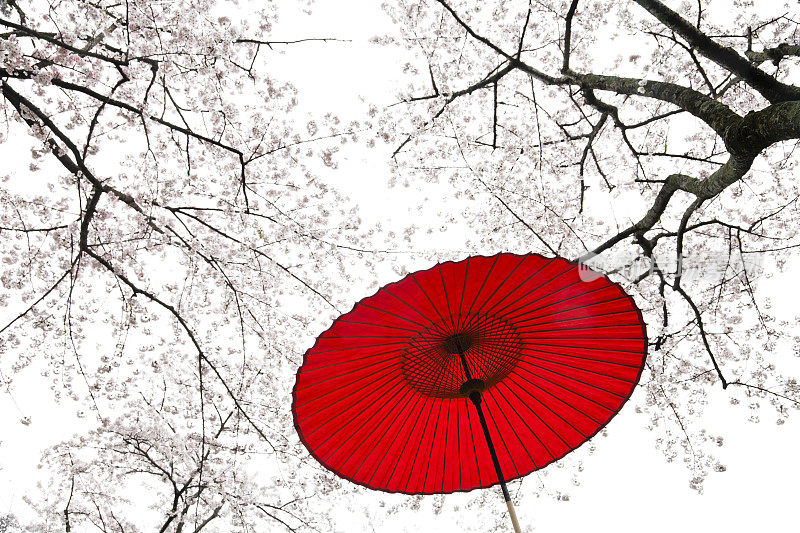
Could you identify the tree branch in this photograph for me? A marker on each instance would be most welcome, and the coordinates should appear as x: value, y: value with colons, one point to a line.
x: 568, y: 35
x: 729, y: 59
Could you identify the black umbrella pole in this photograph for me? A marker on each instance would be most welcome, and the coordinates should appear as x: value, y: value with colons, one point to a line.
x: 475, y: 396
x: 469, y: 389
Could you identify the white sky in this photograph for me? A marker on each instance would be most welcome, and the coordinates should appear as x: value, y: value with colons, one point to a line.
x: 626, y: 485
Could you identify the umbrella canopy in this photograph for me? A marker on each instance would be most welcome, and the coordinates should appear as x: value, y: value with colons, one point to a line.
x: 550, y: 349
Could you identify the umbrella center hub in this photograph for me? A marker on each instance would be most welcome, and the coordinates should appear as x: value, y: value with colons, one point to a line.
x: 432, y: 364
x: 459, y: 342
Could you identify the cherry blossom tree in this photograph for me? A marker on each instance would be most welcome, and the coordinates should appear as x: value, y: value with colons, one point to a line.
x: 651, y: 140
x: 173, y: 248
x: 168, y: 223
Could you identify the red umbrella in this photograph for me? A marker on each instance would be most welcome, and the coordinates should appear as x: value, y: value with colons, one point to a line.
x: 546, y: 350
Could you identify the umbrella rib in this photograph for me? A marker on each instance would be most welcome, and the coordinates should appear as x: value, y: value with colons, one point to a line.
x: 500, y: 435
x: 521, y: 442
x: 559, y: 363
x: 483, y: 284
x: 584, y: 306
x: 610, y: 313
x: 484, y: 358
x: 428, y: 364
x: 431, y: 337
x: 358, y: 447
x: 495, y: 342
x: 474, y: 449
x: 458, y: 441
x: 525, y: 281
x: 458, y: 376
x: 585, y: 293
x: 340, y: 428
x: 447, y: 299
x: 569, y: 378
x: 606, y: 326
x: 593, y: 348
x: 430, y: 452
x: 448, y: 377
x: 508, y: 335
x: 417, y: 311
x: 405, y: 444
x: 536, y: 398
x: 576, y: 393
x: 534, y: 413
x: 341, y: 375
x: 469, y: 321
x: 526, y: 310
x: 546, y: 448
x: 394, y: 409
x: 329, y: 420
x: 417, y: 398
x: 389, y: 326
x: 500, y: 285
x: 488, y: 325
x: 539, y: 299
x: 496, y: 326
x: 387, y: 376
x: 347, y: 361
x: 585, y: 358
x: 523, y: 389
x: 428, y: 344
x: 461, y: 315
x: 547, y: 295
x: 427, y: 297
x: 327, y: 337
x: 542, y: 420
x: 447, y: 427
x: 591, y: 338
x: 349, y: 348
x: 395, y: 314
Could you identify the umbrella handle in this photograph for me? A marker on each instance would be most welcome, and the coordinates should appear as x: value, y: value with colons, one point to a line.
x: 513, y: 516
